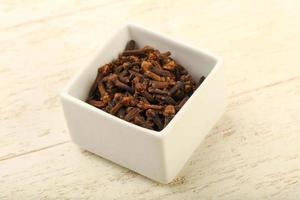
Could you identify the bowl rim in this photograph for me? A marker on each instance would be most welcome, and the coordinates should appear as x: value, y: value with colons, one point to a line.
x: 64, y: 94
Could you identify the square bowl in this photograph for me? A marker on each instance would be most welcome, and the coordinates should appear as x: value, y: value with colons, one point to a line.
x: 156, y: 155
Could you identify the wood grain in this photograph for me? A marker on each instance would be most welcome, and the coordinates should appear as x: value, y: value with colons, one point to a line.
x: 252, y: 153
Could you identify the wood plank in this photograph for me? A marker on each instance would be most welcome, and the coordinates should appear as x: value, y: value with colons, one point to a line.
x: 252, y: 153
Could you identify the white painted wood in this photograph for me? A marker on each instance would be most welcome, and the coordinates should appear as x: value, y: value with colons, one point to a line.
x: 252, y: 153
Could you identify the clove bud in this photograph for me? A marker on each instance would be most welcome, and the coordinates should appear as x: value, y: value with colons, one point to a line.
x: 142, y: 86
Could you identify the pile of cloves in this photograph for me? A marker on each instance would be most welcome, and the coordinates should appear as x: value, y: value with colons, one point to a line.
x: 142, y: 86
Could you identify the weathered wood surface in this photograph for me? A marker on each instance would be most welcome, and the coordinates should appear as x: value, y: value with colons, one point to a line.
x: 252, y: 153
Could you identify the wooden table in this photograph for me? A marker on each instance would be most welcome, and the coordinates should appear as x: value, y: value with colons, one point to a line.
x: 252, y: 153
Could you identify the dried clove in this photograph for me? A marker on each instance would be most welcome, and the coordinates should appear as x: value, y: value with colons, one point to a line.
x: 201, y: 81
x: 182, y: 102
x: 134, y: 52
x: 142, y: 86
x: 130, y: 45
x: 176, y: 87
x: 125, y: 101
x: 132, y: 113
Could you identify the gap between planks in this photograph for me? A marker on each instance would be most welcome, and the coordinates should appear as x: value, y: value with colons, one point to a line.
x: 35, y: 150
x: 265, y: 87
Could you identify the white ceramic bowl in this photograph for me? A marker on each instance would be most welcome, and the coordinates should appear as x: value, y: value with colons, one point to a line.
x: 157, y: 155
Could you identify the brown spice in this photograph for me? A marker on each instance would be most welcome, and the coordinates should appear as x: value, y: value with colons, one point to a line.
x: 142, y: 86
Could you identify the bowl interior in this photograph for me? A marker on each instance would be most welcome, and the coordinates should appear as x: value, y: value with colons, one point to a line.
x: 198, y: 63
